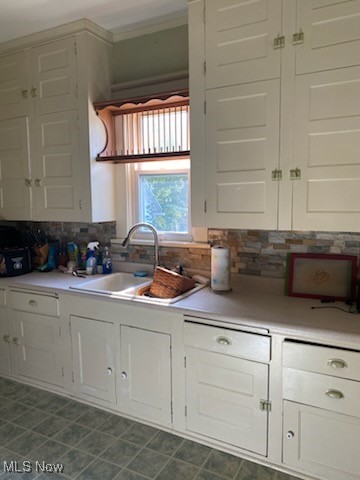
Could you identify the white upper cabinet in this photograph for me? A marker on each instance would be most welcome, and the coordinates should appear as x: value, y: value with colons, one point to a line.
x: 242, y: 128
x: 240, y: 41
x: 279, y: 129
x: 54, y: 76
x: 331, y: 31
x: 48, y: 89
x: 56, y: 169
x: 15, y: 191
x: 14, y: 91
x: 326, y: 149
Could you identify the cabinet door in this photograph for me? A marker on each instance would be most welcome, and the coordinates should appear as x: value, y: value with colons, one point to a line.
x: 239, y: 41
x: 321, y: 442
x: 5, y: 365
x: 93, y: 358
x: 331, y: 35
x: 15, y: 191
x: 14, y: 94
x: 56, y: 167
x: 242, y: 149
x: 223, y: 399
x: 54, y: 75
x: 146, y: 374
x: 36, y: 347
x: 326, y: 149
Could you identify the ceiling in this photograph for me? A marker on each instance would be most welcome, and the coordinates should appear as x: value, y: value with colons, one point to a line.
x: 23, y: 17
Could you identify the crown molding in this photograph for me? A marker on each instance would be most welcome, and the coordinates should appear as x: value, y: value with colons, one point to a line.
x: 56, y: 32
x: 166, y: 77
x: 137, y: 30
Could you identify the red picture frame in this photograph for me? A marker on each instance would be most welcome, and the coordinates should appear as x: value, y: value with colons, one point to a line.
x: 322, y: 276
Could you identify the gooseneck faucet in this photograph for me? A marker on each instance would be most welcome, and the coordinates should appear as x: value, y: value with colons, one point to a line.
x: 135, y: 227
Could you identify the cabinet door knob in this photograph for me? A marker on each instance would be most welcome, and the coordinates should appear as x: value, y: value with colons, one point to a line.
x: 37, y: 182
x: 290, y: 434
x: 24, y: 93
x: 6, y: 338
x: 109, y: 371
x: 33, y: 92
x: 334, y: 393
x: 33, y: 303
x: 223, y: 341
x: 16, y: 340
x: 28, y: 182
x: 123, y: 375
x: 336, y: 363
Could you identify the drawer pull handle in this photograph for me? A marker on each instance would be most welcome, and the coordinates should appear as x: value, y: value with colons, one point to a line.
x: 6, y: 338
x: 336, y: 363
x: 290, y: 434
x: 334, y: 394
x: 223, y: 341
x: 33, y: 303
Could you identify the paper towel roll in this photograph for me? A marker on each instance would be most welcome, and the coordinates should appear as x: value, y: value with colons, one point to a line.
x: 220, y: 269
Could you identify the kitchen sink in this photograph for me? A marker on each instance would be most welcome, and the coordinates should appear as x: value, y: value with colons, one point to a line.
x: 126, y: 285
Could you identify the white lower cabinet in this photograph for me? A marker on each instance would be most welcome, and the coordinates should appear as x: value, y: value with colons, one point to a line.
x: 321, y: 442
x: 93, y: 355
x: 145, y: 386
x: 5, y: 361
x: 36, y: 337
x: 321, y: 412
x: 226, y: 395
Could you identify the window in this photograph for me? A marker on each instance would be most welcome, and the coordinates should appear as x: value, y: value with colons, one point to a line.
x: 159, y: 194
x: 158, y: 185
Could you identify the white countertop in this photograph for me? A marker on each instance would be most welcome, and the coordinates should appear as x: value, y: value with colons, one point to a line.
x: 253, y: 301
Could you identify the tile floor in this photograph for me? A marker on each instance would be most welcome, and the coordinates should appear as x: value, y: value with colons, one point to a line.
x: 96, y: 445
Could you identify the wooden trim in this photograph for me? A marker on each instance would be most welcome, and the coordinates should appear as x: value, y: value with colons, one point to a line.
x: 140, y: 108
x: 149, y: 157
x: 113, y: 105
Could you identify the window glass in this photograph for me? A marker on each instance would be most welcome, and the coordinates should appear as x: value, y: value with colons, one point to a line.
x: 164, y: 201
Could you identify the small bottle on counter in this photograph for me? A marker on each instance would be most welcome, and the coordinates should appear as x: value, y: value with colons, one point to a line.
x: 91, y: 260
x: 107, y: 263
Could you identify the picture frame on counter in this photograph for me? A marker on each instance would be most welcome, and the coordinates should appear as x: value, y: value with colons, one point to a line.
x: 323, y: 276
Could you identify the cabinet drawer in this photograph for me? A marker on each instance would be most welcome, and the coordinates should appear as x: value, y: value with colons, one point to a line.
x: 2, y: 298
x: 326, y: 360
x: 322, y: 391
x: 34, y: 303
x: 229, y: 342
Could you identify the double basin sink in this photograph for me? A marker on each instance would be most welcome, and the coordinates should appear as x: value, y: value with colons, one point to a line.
x: 126, y: 285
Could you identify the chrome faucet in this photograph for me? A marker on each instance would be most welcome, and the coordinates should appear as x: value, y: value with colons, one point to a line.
x: 126, y: 242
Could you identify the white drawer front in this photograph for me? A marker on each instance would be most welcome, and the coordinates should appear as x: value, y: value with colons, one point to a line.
x: 322, y: 391
x: 34, y: 303
x: 2, y: 298
x: 228, y: 342
x: 325, y: 360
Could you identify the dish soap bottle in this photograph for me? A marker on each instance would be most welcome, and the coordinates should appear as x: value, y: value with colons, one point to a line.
x: 91, y: 260
x: 106, y: 263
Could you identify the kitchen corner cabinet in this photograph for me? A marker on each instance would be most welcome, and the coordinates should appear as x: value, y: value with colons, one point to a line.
x: 5, y: 337
x: 49, y: 132
x: 36, y: 337
x: 275, y: 113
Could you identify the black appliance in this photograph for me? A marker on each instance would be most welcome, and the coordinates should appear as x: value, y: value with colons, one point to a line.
x: 15, y: 257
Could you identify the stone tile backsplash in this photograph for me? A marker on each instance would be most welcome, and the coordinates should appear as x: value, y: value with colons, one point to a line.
x: 253, y: 252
